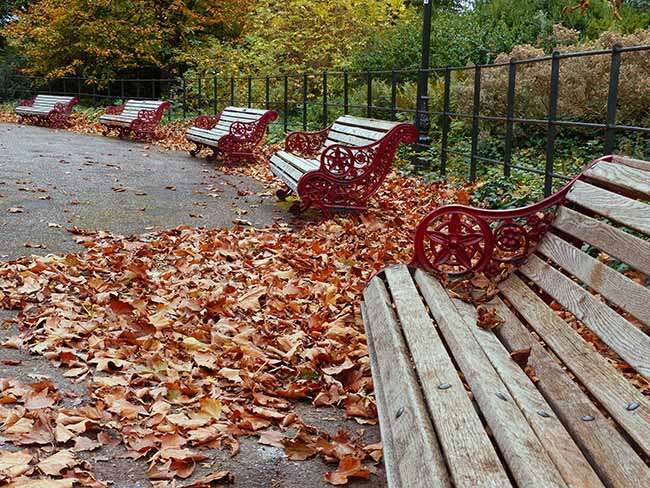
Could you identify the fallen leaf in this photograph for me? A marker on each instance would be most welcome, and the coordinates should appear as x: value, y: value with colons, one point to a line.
x: 520, y: 356
x: 488, y: 318
x: 14, y: 464
x: 349, y: 467
x: 54, y: 464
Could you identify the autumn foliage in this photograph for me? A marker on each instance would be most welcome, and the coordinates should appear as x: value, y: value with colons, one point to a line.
x: 99, y: 39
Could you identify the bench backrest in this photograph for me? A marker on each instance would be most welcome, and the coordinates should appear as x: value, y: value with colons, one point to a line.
x: 49, y: 101
x: 132, y: 107
x: 592, y: 235
x: 229, y: 115
x: 604, y: 215
x: 357, y: 131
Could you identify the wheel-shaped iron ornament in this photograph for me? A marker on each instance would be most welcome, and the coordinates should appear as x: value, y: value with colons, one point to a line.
x: 453, y: 242
x: 339, y: 161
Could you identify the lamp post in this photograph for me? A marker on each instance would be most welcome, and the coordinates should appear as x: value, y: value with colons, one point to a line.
x: 422, y: 121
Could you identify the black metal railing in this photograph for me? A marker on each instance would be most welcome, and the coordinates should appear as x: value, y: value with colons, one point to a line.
x: 312, y: 101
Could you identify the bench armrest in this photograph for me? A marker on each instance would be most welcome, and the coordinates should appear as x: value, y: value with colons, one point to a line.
x: 346, y: 162
x: 28, y: 102
x: 114, y: 109
x: 307, y: 144
x: 206, y: 121
x: 152, y: 116
x: 252, y: 132
x: 457, y: 240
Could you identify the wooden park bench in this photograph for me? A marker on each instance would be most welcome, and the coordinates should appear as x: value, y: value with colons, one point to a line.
x: 457, y: 407
x: 49, y: 110
x: 235, y: 133
x: 342, y: 166
x: 140, y: 118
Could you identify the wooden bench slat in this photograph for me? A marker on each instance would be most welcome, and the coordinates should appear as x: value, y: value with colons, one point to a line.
x: 615, y: 242
x: 470, y: 456
x: 611, y: 284
x: 368, y: 134
x: 617, y: 464
x: 284, y: 170
x: 559, y: 445
x: 411, y: 433
x: 631, y: 162
x: 527, y: 459
x: 285, y: 163
x: 362, y: 122
x: 346, y: 139
x: 622, y: 176
x: 390, y: 451
x: 626, y: 211
x: 232, y: 117
x: 623, y: 337
x: 245, y: 110
x: 604, y: 381
x: 288, y: 179
x: 301, y: 164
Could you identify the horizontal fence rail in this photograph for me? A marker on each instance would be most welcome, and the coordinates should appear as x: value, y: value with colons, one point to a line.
x: 311, y: 101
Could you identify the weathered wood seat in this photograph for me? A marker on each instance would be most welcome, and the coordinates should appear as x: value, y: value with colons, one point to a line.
x: 455, y: 407
x: 236, y: 132
x: 137, y: 117
x: 49, y: 110
x: 342, y: 166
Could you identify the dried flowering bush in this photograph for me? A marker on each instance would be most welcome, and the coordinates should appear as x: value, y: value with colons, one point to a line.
x: 583, y: 87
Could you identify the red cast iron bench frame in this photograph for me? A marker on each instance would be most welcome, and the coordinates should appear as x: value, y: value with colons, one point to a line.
x: 49, y: 110
x: 235, y: 133
x: 139, y: 118
x: 341, y: 167
x: 535, y: 401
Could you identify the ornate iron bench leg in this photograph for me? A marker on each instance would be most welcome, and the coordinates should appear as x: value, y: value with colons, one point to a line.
x: 211, y: 158
x: 283, y: 193
x: 298, y: 207
x: 196, y: 150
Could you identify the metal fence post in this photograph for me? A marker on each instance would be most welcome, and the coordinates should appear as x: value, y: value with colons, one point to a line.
x: 422, y: 121
x: 369, y: 94
x: 267, y: 93
x: 137, y: 88
x: 346, y: 92
x: 214, y: 95
x: 121, y: 88
x: 510, y: 112
x: 475, y: 122
x: 612, y: 98
x: 286, y: 103
x: 153, y: 90
x: 232, y: 90
x: 250, y: 91
x: 184, y: 97
x: 198, y: 98
x: 393, y: 92
x: 325, y: 115
x: 304, y: 101
x: 552, y: 117
x: 444, y: 144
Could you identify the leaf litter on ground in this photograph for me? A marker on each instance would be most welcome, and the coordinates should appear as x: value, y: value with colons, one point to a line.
x: 191, y: 338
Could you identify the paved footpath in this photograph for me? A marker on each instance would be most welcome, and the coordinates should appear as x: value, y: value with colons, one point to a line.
x: 61, y: 178
x: 54, y: 179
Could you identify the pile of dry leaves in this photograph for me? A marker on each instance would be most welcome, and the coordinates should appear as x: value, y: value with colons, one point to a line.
x: 192, y: 338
